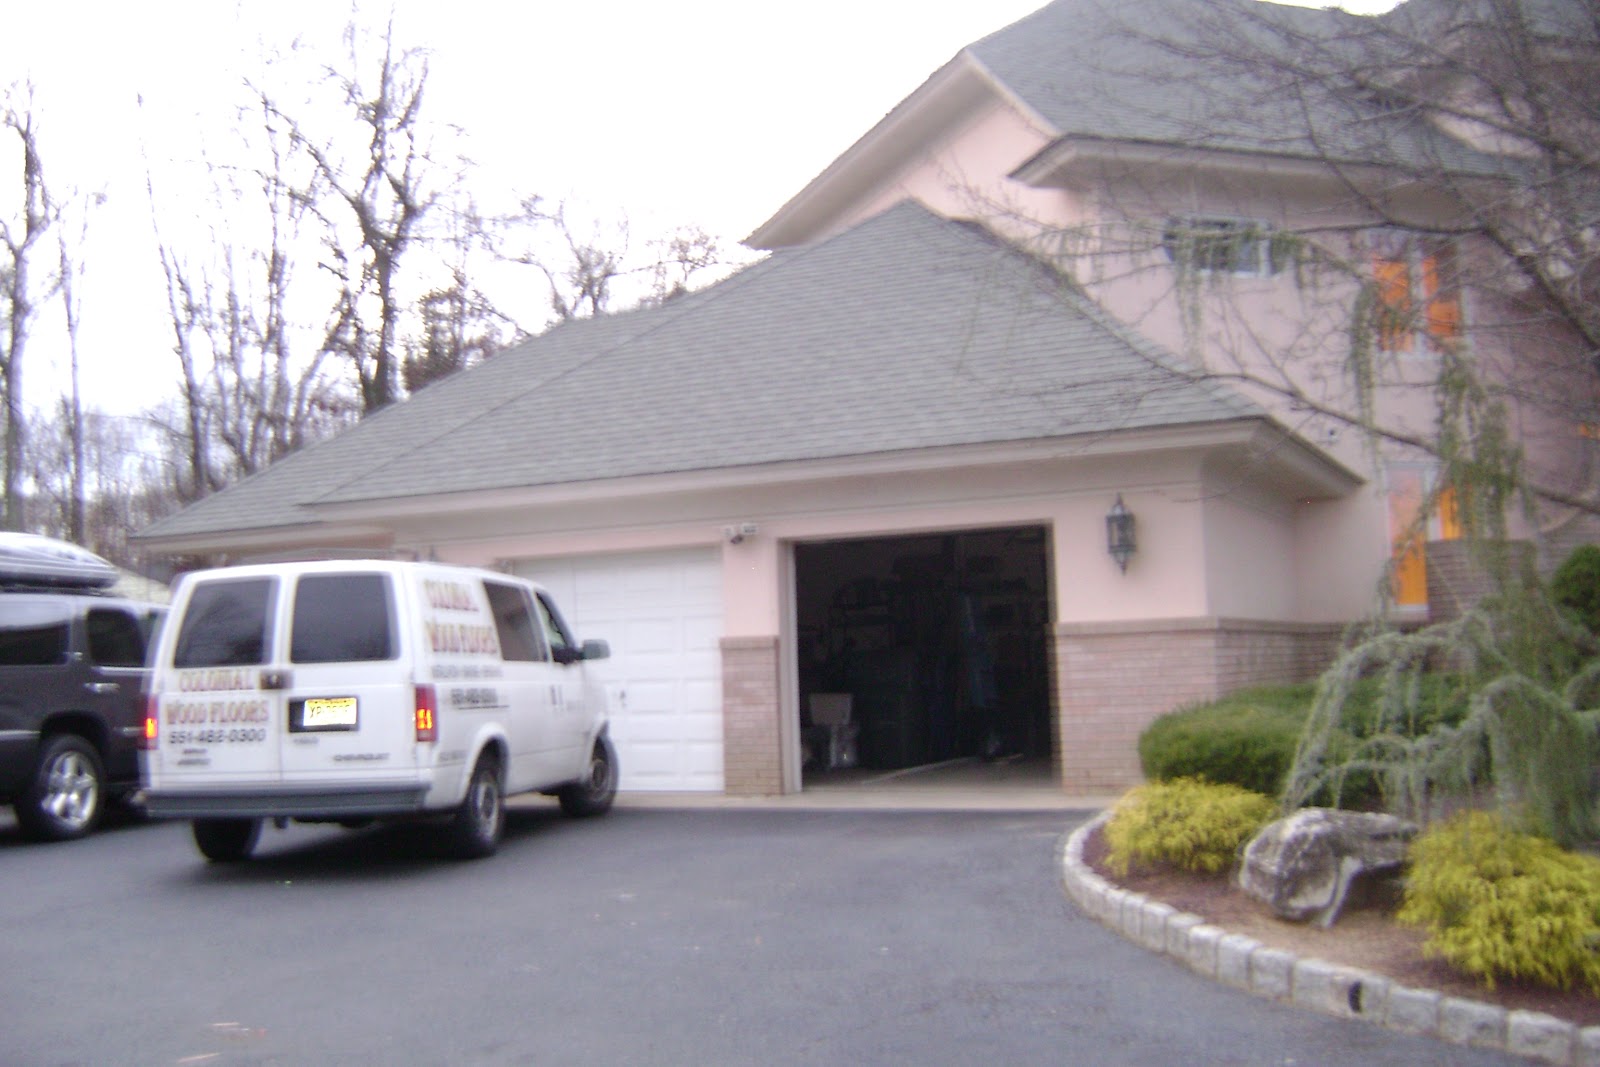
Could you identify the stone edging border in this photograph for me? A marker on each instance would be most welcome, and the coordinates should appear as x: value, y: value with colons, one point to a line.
x: 1333, y: 989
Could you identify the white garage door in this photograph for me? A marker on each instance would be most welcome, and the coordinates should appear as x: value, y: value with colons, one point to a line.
x: 662, y: 614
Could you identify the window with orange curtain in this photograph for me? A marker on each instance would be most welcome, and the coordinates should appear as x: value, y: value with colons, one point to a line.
x: 1408, y: 575
x: 1409, y: 532
x: 1449, y: 514
x: 1416, y: 293
x: 1392, y: 276
x: 1443, y: 299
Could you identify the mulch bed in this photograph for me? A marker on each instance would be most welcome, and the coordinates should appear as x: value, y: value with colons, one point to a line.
x: 1366, y: 935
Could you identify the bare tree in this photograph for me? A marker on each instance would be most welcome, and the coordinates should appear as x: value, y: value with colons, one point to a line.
x: 23, y: 227
x: 460, y: 327
x: 384, y: 182
x: 249, y: 393
x: 588, y: 271
x: 681, y: 259
x: 579, y: 272
x: 91, y: 477
x: 70, y: 270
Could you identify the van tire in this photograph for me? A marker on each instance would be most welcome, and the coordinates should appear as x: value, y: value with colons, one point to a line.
x: 66, y: 793
x: 474, y: 830
x: 594, y: 794
x: 226, y: 840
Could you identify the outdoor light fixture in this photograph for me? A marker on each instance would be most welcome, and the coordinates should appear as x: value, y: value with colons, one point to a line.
x: 1119, y: 534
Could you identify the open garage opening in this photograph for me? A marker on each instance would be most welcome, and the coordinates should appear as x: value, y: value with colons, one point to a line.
x: 925, y: 656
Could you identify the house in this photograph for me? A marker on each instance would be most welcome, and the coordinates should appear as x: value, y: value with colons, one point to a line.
x: 900, y: 459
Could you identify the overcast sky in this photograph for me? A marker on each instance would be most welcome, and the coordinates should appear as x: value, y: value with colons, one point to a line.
x: 708, y: 113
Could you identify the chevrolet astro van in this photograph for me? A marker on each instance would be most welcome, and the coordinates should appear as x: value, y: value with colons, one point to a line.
x: 343, y: 691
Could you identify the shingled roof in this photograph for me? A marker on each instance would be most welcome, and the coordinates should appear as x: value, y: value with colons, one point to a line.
x: 1170, y: 72
x: 907, y: 332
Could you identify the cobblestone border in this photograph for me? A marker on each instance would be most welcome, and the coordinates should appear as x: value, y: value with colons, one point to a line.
x: 1346, y: 992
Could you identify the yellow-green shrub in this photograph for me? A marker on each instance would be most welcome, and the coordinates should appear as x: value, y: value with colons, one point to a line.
x: 1184, y: 822
x: 1501, y: 904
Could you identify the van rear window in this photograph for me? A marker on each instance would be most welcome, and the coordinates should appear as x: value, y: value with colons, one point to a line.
x: 226, y: 624
x: 342, y: 618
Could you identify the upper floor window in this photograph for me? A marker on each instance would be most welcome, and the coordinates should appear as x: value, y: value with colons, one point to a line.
x: 1418, y: 296
x: 1220, y: 246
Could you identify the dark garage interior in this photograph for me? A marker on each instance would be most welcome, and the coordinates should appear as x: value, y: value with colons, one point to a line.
x: 915, y: 651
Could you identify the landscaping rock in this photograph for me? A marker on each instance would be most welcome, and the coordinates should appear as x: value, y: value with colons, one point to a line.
x: 1302, y: 866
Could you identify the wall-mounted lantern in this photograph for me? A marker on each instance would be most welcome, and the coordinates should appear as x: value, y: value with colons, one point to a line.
x: 1119, y: 534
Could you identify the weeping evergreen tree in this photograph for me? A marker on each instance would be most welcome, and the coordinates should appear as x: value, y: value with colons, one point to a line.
x: 1528, y: 679
x: 1499, y: 706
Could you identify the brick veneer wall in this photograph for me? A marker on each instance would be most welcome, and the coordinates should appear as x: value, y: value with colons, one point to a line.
x: 751, y: 728
x: 1457, y: 580
x: 1112, y: 680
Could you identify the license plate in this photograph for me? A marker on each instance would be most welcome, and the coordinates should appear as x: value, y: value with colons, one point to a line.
x: 328, y: 713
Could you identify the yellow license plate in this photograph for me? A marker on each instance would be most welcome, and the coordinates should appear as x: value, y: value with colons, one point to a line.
x: 329, y: 713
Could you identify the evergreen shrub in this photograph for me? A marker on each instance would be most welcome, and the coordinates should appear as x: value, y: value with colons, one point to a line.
x: 1184, y: 823
x: 1575, y: 585
x: 1247, y: 739
x: 1498, y: 904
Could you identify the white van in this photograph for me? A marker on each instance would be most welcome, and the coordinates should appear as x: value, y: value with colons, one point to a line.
x: 342, y: 691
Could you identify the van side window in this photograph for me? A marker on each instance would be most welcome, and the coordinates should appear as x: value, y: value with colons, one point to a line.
x: 226, y: 624
x: 342, y: 618
x: 513, y: 618
x: 562, y: 647
x: 115, y: 638
x: 34, y: 635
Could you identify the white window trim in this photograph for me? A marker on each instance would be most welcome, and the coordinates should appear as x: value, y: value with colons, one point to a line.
x: 1195, y: 227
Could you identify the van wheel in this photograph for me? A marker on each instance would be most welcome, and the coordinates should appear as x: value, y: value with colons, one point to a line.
x: 594, y: 793
x: 474, y: 830
x: 63, y: 798
x: 226, y: 840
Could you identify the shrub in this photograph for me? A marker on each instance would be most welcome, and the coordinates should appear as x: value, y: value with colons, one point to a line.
x: 1247, y: 739
x: 1575, y: 585
x: 1499, y: 904
x: 1189, y: 824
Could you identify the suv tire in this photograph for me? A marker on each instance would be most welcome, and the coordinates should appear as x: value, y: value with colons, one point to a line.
x: 67, y: 792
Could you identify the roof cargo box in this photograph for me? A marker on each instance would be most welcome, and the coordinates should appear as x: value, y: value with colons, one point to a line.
x: 29, y: 559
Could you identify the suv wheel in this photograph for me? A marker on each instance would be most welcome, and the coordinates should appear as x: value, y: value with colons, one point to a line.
x: 594, y: 793
x: 65, y: 794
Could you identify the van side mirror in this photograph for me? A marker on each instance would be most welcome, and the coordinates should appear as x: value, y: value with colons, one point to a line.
x: 589, y: 650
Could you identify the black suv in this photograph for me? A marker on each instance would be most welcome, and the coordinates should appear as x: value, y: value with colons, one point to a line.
x: 72, y: 668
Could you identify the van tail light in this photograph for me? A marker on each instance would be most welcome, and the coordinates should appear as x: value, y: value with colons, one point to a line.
x: 150, y: 736
x: 427, y: 703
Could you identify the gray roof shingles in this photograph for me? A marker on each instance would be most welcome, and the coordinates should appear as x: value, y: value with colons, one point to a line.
x: 1170, y: 72
x: 907, y: 332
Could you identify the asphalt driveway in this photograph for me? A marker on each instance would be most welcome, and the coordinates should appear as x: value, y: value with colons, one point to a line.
x: 647, y: 937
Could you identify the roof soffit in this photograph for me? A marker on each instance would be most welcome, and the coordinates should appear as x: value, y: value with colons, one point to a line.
x: 1070, y: 159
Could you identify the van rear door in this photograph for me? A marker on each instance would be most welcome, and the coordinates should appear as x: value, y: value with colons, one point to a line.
x: 218, y: 710
x: 349, y: 706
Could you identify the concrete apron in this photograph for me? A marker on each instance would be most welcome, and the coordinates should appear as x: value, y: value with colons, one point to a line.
x: 955, y: 785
